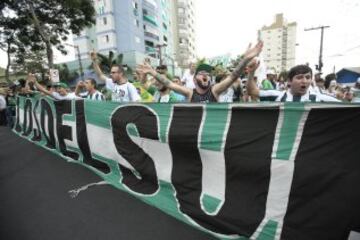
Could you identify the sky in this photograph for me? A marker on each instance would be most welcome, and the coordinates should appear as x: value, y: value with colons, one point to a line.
x: 228, y: 26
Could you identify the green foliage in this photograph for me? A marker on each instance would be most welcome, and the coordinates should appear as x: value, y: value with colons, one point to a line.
x: 25, y: 61
x: 105, y: 62
x: 200, y: 61
x: 40, y: 24
x: 65, y: 74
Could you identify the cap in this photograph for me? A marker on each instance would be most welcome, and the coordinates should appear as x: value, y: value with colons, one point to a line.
x: 60, y: 84
x: 204, y: 67
x: 270, y: 72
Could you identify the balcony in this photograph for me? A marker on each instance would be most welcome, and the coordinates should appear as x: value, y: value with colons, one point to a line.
x: 150, y: 4
x: 150, y: 49
x: 150, y: 19
x: 151, y: 35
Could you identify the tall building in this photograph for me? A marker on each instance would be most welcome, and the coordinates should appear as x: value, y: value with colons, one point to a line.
x: 136, y: 28
x: 279, y: 49
x: 184, y: 31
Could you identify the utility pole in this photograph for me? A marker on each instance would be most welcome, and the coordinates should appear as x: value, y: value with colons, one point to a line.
x: 159, y: 47
x: 172, y: 63
x: 79, y: 59
x: 320, y: 65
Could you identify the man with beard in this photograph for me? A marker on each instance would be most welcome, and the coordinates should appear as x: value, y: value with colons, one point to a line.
x: 164, y: 94
x: 299, y: 81
x: 122, y: 90
x: 204, y: 91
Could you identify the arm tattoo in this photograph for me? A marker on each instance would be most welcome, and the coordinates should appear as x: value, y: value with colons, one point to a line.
x: 162, y: 79
x: 239, y: 68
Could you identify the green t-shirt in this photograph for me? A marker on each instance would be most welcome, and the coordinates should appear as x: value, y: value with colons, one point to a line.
x: 267, y: 85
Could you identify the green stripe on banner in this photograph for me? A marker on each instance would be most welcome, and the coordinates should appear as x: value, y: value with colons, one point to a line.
x: 210, y: 203
x: 214, y: 126
x: 269, y: 231
x: 163, y: 112
x: 292, y: 116
x: 99, y: 115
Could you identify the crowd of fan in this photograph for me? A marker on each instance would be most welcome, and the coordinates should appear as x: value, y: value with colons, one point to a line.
x: 199, y: 84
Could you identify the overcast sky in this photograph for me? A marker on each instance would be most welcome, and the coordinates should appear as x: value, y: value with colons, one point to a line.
x: 227, y: 26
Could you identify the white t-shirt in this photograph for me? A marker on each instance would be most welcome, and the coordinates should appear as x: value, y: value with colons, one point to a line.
x: 227, y: 96
x: 122, y: 93
x: 69, y: 96
x: 188, y: 79
x: 2, y: 102
x: 286, y: 96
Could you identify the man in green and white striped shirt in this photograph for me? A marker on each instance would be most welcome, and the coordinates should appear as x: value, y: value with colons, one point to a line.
x: 91, y: 92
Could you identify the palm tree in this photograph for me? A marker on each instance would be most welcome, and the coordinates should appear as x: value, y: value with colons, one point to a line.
x: 105, y: 62
x: 66, y: 75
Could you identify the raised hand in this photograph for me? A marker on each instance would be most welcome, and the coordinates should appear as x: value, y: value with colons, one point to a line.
x: 145, y: 68
x: 81, y: 84
x: 252, y: 52
x: 252, y: 66
x: 93, y: 55
x: 31, y: 78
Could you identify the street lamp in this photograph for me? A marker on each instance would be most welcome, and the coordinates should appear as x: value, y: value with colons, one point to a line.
x: 159, y: 47
x: 79, y: 59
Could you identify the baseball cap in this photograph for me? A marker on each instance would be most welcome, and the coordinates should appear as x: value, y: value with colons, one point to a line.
x: 270, y: 72
x: 60, y: 84
x: 204, y: 67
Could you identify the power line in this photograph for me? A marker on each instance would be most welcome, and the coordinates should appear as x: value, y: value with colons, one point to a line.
x: 319, y: 67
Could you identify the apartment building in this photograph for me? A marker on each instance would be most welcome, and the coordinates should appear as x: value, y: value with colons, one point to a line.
x: 279, y: 38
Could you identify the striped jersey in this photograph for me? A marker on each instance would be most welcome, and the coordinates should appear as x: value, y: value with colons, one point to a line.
x: 96, y: 96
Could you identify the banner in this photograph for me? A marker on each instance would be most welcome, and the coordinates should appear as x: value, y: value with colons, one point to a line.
x: 235, y: 171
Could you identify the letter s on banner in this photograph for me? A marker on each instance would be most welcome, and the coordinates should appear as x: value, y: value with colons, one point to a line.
x: 147, y: 125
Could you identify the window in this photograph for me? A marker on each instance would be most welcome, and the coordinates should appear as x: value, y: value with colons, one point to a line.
x: 135, y: 5
x: 106, y: 39
x: 137, y: 23
x: 104, y: 21
x: 148, y: 43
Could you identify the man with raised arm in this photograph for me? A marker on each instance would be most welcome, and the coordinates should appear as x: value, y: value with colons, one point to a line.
x: 91, y: 92
x: 299, y: 80
x: 121, y: 89
x: 60, y: 93
x: 204, y: 91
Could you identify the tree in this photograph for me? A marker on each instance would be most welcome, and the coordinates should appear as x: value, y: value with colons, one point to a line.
x: 8, y: 36
x: 65, y: 74
x: 45, y: 24
x: 105, y: 62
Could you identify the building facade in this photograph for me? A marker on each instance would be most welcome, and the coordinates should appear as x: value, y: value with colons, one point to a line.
x: 279, y: 51
x: 135, y: 28
x: 184, y: 34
